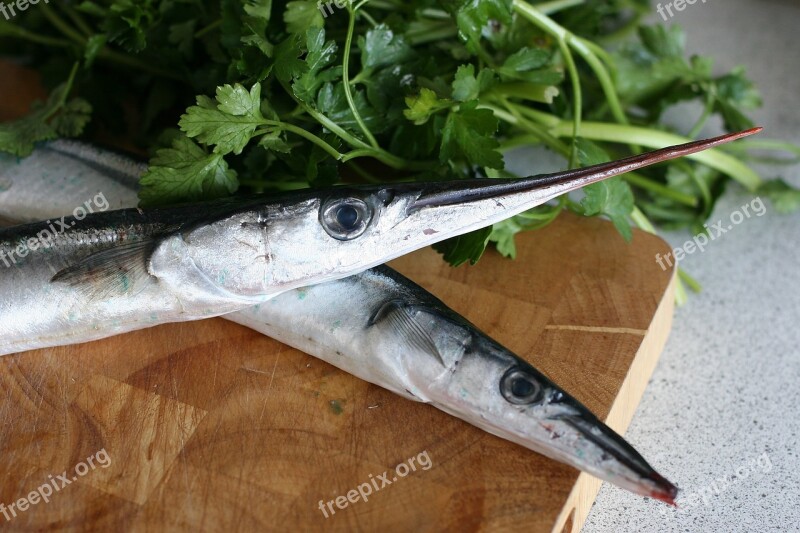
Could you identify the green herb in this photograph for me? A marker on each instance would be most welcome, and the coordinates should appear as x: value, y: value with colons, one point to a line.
x: 58, y: 117
x: 275, y: 95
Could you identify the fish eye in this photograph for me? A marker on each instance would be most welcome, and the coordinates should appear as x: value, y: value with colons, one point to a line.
x: 520, y: 388
x: 345, y: 218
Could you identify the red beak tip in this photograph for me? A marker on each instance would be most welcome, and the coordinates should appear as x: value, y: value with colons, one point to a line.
x: 666, y: 495
x: 753, y: 131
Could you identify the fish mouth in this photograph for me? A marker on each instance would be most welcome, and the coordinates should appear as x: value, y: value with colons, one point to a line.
x: 466, y: 192
x: 642, y: 477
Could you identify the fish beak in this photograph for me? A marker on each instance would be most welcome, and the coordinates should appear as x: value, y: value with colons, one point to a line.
x: 635, y: 473
x: 349, y: 229
x: 494, y: 389
x: 542, y: 188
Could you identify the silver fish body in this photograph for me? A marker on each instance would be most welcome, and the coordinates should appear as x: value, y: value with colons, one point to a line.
x: 69, y: 173
x: 398, y: 336
x: 111, y: 272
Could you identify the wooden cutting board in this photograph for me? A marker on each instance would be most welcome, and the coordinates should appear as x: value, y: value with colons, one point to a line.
x: 210, y: 426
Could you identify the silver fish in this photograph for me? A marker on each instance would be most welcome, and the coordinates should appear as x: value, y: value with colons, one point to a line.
x: 397, y: 335
x: 74, y: 279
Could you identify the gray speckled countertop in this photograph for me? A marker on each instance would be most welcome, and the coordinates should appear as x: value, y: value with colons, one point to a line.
x: 721, y: 416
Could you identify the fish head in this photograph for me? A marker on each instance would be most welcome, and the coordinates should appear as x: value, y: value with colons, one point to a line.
x: 311, y: 237
x: 453, y: 366
x: 322, y: 236
x: 308, y: 237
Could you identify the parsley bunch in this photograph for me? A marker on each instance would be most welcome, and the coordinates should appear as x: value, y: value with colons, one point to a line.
x: 265, y: 95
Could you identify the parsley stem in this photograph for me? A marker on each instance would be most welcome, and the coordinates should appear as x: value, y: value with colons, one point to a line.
x: 211, y: 27
x: 368, y: 17
x: 562, y: 37
x: 701, y: 184
x: 643, y: 182
x: 377, y: 153
x: 644, y: 224
x: 388, y: 159
x: 76, y: 19
x: 548, y: 8
x: 707, y: 111
x: 535, y: 129
x: 62, y: 26
x: 11, y: 30
x: 333, y: 152
x: 363, y: 174
x: 577, y: 104
x: 693, y: 284
x: 766, y: 144
x: 346, y: 79
x: 714, y: 158
x: 123, y: 59
x: 584, y: 49
x: 587, y: 51
x: 445, y: 30
x: 65, y: 93
x: 106, y: 53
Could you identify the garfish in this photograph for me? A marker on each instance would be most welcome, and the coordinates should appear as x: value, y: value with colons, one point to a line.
x: 107, y: 273
x: 398, y: 336
x: 383, y: 328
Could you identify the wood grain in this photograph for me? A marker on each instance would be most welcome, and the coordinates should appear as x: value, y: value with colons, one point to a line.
x: 211, y: 426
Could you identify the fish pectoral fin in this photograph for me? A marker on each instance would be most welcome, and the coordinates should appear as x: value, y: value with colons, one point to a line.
x: 400, y: 315
x: 113, y: 271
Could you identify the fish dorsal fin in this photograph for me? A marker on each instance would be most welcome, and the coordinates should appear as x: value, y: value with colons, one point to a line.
x: 400, y: 315
x: 110, y: 272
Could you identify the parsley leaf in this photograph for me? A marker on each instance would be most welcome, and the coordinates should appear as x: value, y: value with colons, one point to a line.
x: 381, y: 47
x: 56, y: 117
x: 288, y: 64
x: 228, y: 123
x: 469, y: 134
x: 185, y: 172
x: 472, y: 16
x: 467, y: 87
x: 467, y: 247
x: 423, y: 105
x: 302, y: 15
x: 612, y: 197
x: 321, y: 54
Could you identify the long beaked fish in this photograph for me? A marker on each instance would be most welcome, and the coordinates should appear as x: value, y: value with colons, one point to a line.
x: 400, y: 337
x: 107, y: 273
x: 396, y: 335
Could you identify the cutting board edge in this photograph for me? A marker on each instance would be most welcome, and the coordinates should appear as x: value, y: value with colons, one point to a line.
x: 576, y: 509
